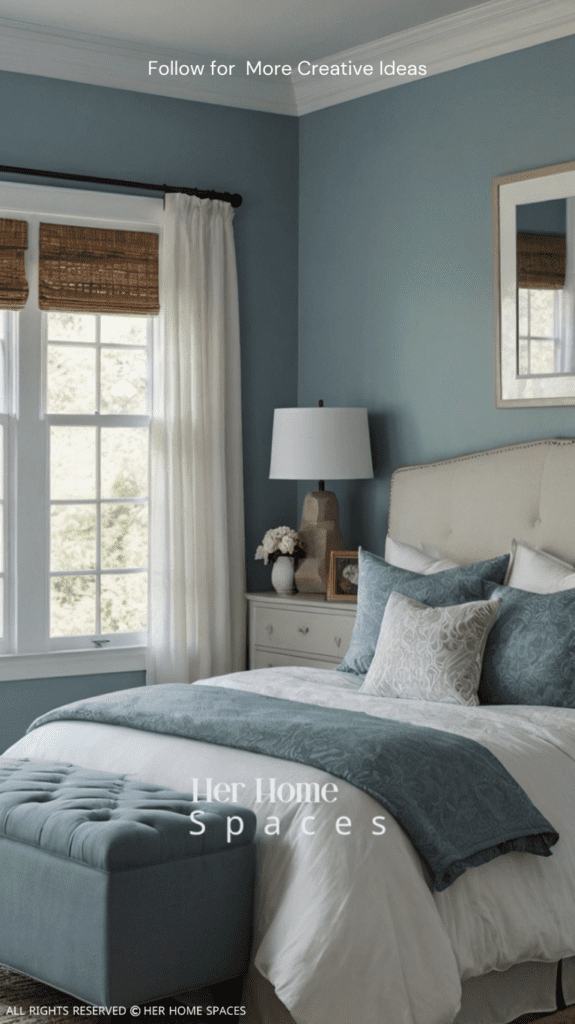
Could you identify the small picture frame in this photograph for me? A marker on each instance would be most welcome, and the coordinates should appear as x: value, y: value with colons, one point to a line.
x: 343, y: 576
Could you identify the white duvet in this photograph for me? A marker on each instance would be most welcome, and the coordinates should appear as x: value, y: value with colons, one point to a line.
x: 347, y: 929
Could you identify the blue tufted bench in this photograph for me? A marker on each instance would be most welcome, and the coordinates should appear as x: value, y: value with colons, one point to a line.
x: 106, y: 894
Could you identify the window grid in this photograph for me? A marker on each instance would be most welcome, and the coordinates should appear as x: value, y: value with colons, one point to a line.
x: 99, y: 421
x: 532, y: 358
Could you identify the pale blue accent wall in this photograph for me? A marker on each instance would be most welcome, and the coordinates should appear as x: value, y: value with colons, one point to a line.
x: 396, y: 304
x: 23, y: 701
x: 82, y: 129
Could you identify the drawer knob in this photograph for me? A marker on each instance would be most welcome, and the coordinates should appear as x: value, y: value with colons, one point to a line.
x: 269, y: 629
x: 337, y: 641
x: 303, y: 629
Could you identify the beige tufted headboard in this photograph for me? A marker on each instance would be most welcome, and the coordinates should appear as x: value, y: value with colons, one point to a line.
x: 471, y: 507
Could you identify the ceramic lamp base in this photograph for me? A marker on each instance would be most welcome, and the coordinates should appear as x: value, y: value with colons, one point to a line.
x: 319, y: 534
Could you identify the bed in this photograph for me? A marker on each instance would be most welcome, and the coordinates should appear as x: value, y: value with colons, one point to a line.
x: 347, y: 926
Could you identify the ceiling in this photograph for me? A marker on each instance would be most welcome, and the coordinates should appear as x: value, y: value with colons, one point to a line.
x: 273, y: 30
x: 110, y: 43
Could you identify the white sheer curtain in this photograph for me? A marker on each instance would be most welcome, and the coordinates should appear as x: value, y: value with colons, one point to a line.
x: 197, y: 613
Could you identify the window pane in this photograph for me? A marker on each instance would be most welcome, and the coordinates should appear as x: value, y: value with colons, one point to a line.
x: 71, y: 379
x: 1, y: 460
x: 542, y: 312
x: 4, y: 397
x: 123, y: 377
x: 542, y: 356
x: 523, y: 300
x: 73, y: 606
x: 104, y: 468
x: 72, y: 462
x: 523, y: 356
x: 73, y: 537
x: 2, y: 609
x: 124, y: 603
x: 71, y: 327
x: 124, y: 462
x: 124, y: 330
x: 124, y: 536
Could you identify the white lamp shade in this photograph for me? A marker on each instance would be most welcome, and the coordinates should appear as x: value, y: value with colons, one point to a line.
x: 320, y: 444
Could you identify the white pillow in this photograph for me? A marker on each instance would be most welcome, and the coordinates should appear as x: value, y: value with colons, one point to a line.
x: 536, y: 571
x: 423, y: 560
x: 433, y: 654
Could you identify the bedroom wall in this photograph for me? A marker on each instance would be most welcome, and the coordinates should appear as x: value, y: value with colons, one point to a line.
x: 64, y: 126
x: 396, y: 306
x: 23, y: 701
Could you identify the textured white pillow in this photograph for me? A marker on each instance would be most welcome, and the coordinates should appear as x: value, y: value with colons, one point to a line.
x: 429, y: 653
x: 422, y: 560
x: 537, y: 572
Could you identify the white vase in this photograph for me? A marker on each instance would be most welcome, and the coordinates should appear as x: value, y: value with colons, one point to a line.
x: 282, y: 574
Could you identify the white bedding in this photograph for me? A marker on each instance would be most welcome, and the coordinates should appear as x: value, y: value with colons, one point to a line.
x: 346, y: 927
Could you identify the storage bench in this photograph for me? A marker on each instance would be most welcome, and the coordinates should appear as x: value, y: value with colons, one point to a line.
x: 109, y: 892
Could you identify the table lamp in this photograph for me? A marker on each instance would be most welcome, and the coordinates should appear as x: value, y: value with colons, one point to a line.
x: 322, y: 444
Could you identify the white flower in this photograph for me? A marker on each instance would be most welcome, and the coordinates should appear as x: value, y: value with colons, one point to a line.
x: 351, y: 573
x: 282, y: 539
x: 260, y: 553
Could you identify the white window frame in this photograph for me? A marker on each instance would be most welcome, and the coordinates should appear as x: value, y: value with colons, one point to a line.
x: 26, y: 653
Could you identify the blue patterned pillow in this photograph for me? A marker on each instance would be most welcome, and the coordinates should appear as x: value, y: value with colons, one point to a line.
x: 377, y: 580
x: 529, y: 656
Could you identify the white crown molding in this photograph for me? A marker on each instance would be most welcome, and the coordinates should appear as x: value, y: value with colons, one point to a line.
x: 95, y: 60
x: 479, y: 33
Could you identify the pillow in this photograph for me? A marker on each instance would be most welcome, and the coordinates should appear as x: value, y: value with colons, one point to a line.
x: 530, y: 653
x: 377, y: 579
x: 536, y: 571
x: 405, y: 556
x: 430, y: 653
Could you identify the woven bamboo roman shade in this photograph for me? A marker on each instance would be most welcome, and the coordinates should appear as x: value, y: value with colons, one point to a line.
x: 13, y: 245
x: 541, y: 261
x: 96, y: 270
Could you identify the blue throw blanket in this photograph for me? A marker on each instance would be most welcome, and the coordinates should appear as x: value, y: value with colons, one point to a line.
x: 457, y: 803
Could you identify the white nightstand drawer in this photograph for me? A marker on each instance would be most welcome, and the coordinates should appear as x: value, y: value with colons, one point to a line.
x: 302, y: 630
x: 272, y: 659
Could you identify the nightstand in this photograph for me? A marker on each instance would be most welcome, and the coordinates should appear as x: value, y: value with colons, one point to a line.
x: 298, y: 629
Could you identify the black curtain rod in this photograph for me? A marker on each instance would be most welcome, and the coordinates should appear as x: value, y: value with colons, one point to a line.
x: 235, y: 200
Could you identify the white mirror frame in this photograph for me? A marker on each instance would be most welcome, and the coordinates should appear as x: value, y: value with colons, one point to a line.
x: 509, y: 191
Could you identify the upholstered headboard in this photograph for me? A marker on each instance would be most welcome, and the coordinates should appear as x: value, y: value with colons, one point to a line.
x: 471, y: 507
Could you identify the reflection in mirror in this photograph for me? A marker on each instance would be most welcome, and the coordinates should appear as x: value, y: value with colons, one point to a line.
x: 534, y: 274
x: 545, y: 288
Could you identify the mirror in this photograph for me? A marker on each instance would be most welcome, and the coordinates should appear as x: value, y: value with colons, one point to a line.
x: 534, y: 278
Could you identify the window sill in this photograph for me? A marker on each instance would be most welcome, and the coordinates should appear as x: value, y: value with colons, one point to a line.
x: 80, y: 662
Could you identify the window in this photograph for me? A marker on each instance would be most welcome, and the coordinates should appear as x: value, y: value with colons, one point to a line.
x: 6, y: 319
x: 97, y: 411
x: 539, y: 334
x: 75, y: 392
